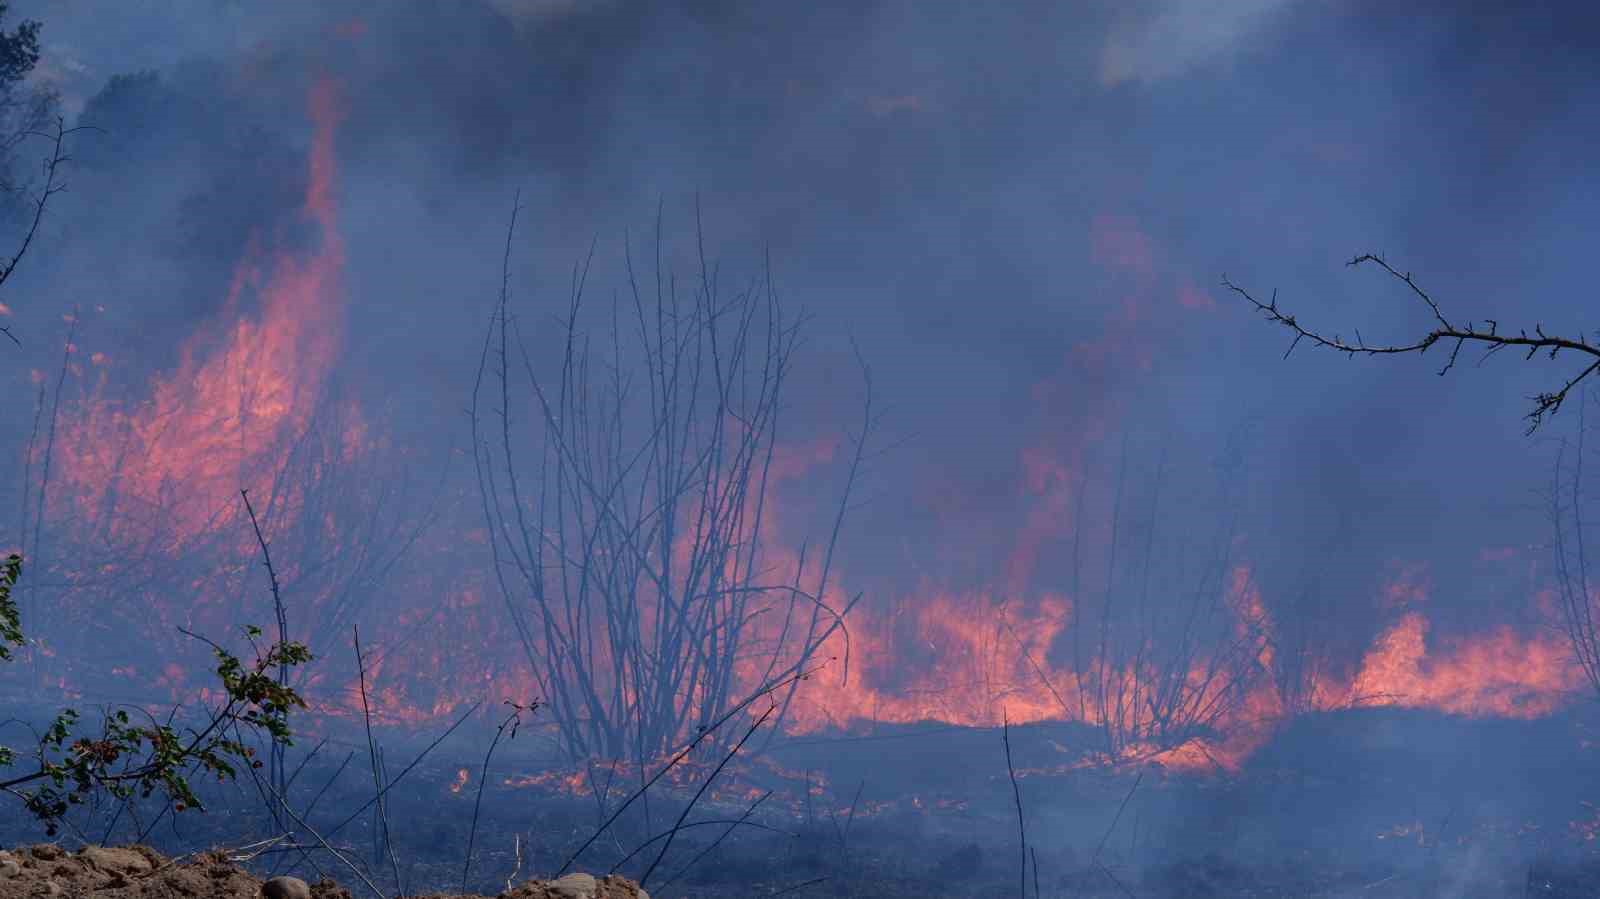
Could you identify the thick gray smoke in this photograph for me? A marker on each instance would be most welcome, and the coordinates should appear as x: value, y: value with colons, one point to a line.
x: 1020, y: 214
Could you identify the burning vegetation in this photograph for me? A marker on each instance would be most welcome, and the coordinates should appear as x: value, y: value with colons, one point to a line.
x: 636, y: 555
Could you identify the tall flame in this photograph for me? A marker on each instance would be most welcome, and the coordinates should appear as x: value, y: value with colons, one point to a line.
x: 226, y: 414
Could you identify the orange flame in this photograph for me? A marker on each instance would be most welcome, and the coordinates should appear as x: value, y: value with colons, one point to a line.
x: 228, y: 412
x: 969, y: 660
x: 247, y: 389
x: 1498, y: 674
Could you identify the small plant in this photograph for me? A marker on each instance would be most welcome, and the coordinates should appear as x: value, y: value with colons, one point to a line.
x: 130, y: 758
x: 10, y: 616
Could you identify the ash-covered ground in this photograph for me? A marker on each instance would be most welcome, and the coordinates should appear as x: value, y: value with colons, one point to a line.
x: 1367, y: 802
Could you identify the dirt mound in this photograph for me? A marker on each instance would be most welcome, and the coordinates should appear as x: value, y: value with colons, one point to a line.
x: 139, y: 872
x: 133, y: 873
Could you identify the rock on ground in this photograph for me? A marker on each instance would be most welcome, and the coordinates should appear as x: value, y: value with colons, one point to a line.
x: 578, y: 886
x: 48, y: 871
x: 285, y: 888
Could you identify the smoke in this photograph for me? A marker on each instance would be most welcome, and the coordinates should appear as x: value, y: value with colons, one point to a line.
x: 536, y: 11
x: 1019, y: 215
x: 1179, y: 35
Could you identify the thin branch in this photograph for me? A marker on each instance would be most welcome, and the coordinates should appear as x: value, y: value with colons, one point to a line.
x: 1118, y: 817
x: 795, y: 888
x: 673, y: 762
x: 276, y: 752
x: 717, y: 842
x: 704, y: 785
x: 1446, y: 331
x: 373, y: 758
x: 512, y: 721
x: 1016, y: 794
x: 52, y: 186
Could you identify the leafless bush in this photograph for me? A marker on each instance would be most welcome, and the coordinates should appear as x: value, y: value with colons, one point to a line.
x: 1178, y: 647
x: 629, y: 506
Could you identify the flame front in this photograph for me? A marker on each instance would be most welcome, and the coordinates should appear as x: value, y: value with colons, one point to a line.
x: 973, y: 660
x: 1498, y: 674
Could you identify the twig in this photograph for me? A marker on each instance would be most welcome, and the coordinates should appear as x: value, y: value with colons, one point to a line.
x: 24, y: 519
x: 704, y: 785
x: 276, y: 751
x: 1109, y: 830
x: 799, y: 886
x: 513, y: 721
x: 516, y: 849
x: 332, y: 851
x: 51, y: 187
x: 303, y: 762
x: 257, y: 848
x: 50, y: 441
x: 1444, y: 330
x: 329, y: 782
x: 1016, y: 793
x: 811, y: 811
x: 715, y: 843
x: 709, y: 822
x: 407, y: 769
x: 312, y: 806
x: 372, y: 756
x: 844, y: 840
x: 680, y: 756
x: 1113, y: 878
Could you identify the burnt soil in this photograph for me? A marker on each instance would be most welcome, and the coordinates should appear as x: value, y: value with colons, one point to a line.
x: 1365, y: 803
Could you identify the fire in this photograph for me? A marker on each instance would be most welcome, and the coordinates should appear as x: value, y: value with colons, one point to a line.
x: 144, y: 486
x: 1499, y: 674
x: 973, y: 660
x: 977, y: 665
x: 979, y: 661
x: 1019, y: 646
x: 241, y: 393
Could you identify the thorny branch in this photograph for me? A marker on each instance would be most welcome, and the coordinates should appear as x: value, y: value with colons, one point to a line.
x: 1444, y: 331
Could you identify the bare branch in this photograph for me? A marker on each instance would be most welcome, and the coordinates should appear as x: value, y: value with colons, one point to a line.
x: 1445, y: 330
x: 53, y: 185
